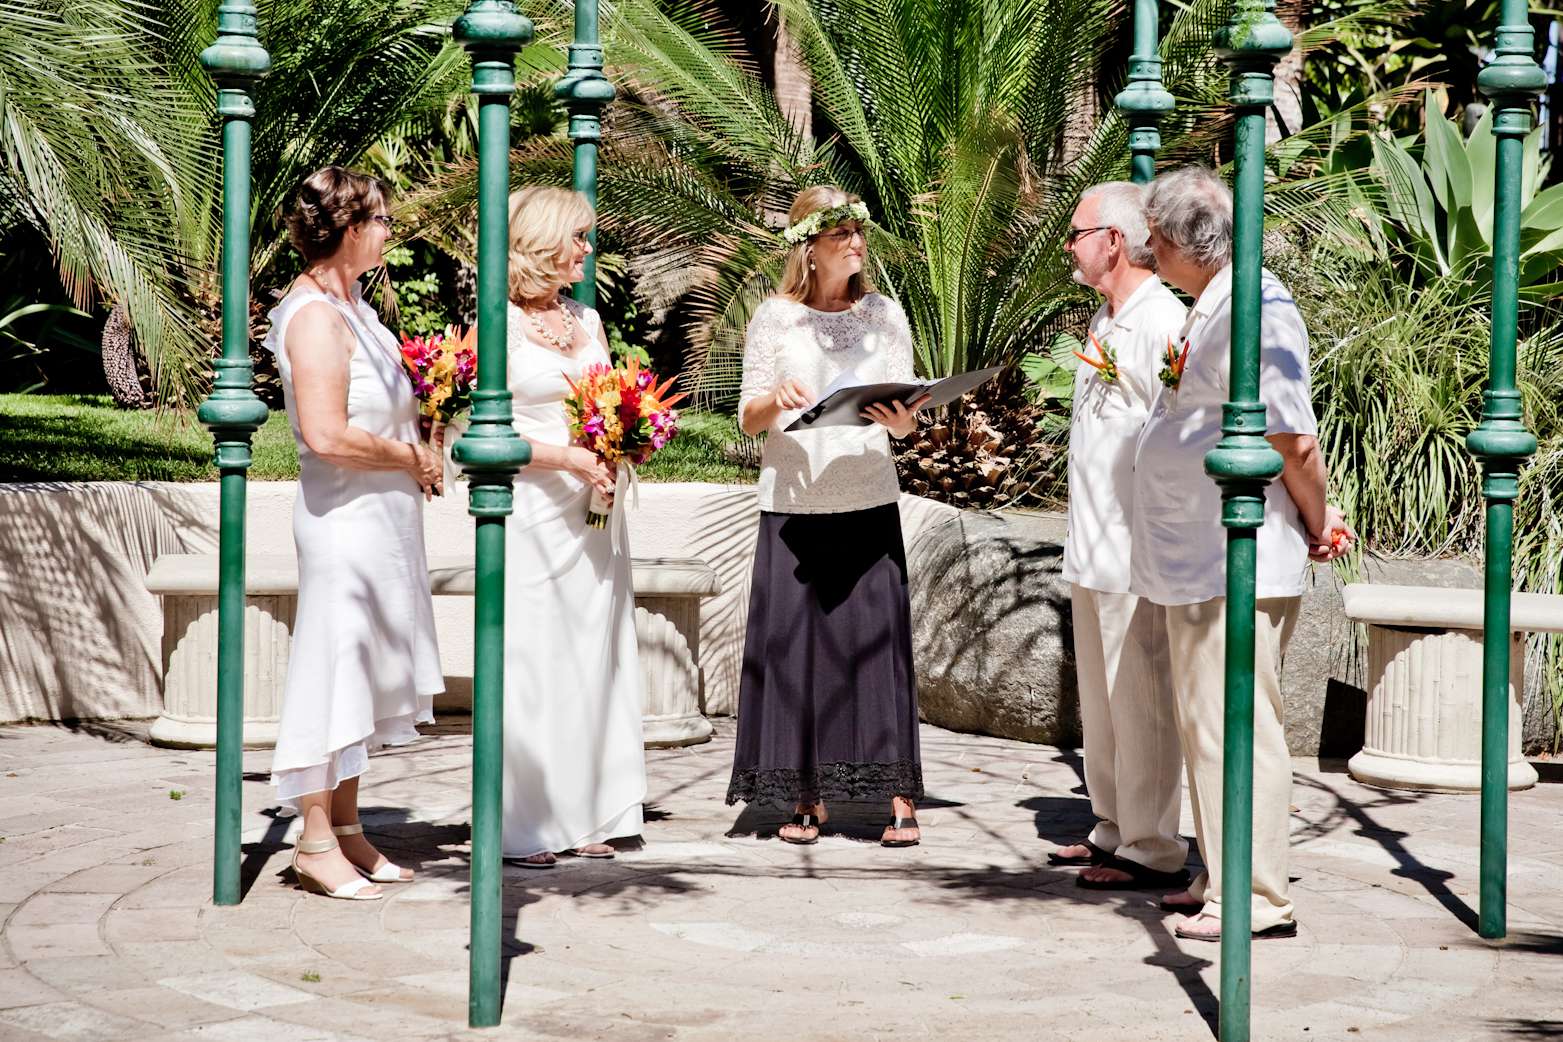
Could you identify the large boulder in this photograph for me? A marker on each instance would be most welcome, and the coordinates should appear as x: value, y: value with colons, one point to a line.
x: 991, y: 628
x: 994, y: 646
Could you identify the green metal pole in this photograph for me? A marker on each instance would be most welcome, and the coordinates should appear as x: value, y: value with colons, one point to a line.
x: 1143, y: 100
x: 1512, y: 80
x: 1242, y: 464
x: 490, y: 453
x: 233, y: 413
x: 585, y: 91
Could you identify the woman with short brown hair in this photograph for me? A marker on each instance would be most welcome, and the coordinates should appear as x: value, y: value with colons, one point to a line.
x: 364, y: 666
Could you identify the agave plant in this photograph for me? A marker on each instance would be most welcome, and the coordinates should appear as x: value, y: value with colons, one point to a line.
x: 1442, y: 204
x: 1398, y: 373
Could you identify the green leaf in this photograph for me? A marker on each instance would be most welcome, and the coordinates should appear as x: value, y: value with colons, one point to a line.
x: 1481, y: 152
x: 1448, y: 168
x: 1545, y: 211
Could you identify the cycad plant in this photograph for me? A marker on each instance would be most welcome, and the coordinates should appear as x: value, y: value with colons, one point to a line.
x: 101, y: 151
x: 968, y: 128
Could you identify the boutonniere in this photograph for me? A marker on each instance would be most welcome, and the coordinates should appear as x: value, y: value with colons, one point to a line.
x: 1171, y: 374
x: 1106, y: 362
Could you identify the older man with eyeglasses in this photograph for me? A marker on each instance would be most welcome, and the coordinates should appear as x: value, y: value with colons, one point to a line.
x: 1179, y: 552
x: 1132, y: 759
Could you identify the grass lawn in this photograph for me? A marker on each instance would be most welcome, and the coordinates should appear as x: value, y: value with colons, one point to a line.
x: 85, y: 438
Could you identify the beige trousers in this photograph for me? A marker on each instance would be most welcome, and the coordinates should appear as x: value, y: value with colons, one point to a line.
x: 1132, y: 758
x: 1196, y: 635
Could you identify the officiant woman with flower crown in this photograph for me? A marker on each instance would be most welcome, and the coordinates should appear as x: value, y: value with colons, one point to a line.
x: 827, y: 705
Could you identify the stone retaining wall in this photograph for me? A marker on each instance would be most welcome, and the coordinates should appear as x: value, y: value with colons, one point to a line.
x: 80, y: 635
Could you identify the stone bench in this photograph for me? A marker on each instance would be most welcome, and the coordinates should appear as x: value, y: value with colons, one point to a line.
x: 668, y: 592
x: 1424, y: 679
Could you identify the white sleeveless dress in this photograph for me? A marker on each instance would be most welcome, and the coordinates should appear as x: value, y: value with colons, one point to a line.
x: 575, y: 768
x: 365, y: 666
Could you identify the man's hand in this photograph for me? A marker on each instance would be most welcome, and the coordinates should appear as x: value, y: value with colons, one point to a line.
x: 1336, y: 540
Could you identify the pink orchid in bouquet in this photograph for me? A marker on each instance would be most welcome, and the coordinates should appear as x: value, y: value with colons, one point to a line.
x: 443, y: 368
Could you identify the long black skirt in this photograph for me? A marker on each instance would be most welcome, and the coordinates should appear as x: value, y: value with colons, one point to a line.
x: 827, y: 706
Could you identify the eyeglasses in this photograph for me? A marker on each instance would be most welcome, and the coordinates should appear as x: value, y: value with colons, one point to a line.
x: 844, y: 233
x: 385, y: 219
x: 1075, y: 234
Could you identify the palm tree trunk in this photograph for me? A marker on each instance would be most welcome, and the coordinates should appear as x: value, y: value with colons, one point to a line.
x: 1083, y: 117
x: 1288, y: 76
x: 794, y: 85
x: 794, y: 89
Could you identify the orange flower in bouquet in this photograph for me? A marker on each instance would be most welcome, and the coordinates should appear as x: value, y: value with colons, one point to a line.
x: 623, y: 415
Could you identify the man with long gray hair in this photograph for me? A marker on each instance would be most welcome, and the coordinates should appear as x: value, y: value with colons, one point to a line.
x: 1132, y: 760
x: 1179, y: 550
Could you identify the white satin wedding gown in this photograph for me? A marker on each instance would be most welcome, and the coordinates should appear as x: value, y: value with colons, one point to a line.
x: 575, y: 769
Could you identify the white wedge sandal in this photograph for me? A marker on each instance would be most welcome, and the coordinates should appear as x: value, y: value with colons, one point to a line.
x: 386, y: 873
x: 349, y: 891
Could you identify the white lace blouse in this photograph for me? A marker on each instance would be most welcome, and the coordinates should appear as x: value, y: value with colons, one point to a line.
x: 832, y: 469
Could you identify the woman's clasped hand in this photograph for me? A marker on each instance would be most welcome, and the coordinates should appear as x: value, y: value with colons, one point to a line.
x: 428, y: 470
x: 589, y: 467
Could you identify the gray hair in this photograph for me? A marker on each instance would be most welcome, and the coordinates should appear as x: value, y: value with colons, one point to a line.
x: 1121, y: 205
x: 1191, y: 208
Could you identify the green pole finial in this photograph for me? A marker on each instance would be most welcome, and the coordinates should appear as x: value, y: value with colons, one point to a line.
x: 1143, y: 100
x: 585, y: 92
x: 490, y: 454
x: 1512, y: 80
x: 1243, y: 463
x: 233, y: 413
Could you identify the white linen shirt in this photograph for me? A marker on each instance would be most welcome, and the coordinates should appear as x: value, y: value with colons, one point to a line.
x: 1179, y: 544
x: 1104, y: 427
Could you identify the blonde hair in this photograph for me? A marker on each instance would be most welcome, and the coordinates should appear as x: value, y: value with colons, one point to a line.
x: 798, y: 281
x: 543, y: 221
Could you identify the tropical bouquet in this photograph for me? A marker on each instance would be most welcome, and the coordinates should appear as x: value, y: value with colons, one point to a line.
x: 443, y: 368
x: 623, y: 415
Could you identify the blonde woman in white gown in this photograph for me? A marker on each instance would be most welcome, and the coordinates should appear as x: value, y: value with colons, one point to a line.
x: 575, y: 772
x: 364, y: 666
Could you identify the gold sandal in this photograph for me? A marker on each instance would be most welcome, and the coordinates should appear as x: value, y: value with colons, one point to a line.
x: 349, y: 891
x: 386, y: 873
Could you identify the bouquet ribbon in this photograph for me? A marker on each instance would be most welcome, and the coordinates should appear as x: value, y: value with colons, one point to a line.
x: 453, y: 432
x: 627, y: 482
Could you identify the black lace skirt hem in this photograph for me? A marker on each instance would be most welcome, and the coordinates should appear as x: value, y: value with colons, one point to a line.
x: 827, y: 782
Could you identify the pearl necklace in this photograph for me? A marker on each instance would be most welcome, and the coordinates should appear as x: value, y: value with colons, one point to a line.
x: 560, y: 343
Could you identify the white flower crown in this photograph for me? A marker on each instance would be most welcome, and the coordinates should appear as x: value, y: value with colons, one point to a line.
x: 819, y: 220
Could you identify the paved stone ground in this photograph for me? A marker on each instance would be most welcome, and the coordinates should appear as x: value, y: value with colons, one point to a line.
x: 715, y: 930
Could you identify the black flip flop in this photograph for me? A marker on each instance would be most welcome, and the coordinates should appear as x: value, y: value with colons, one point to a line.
x: 1140, y: 877
x: 805, y: 821
x: 1097, y: 856
x: 896, y: 824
